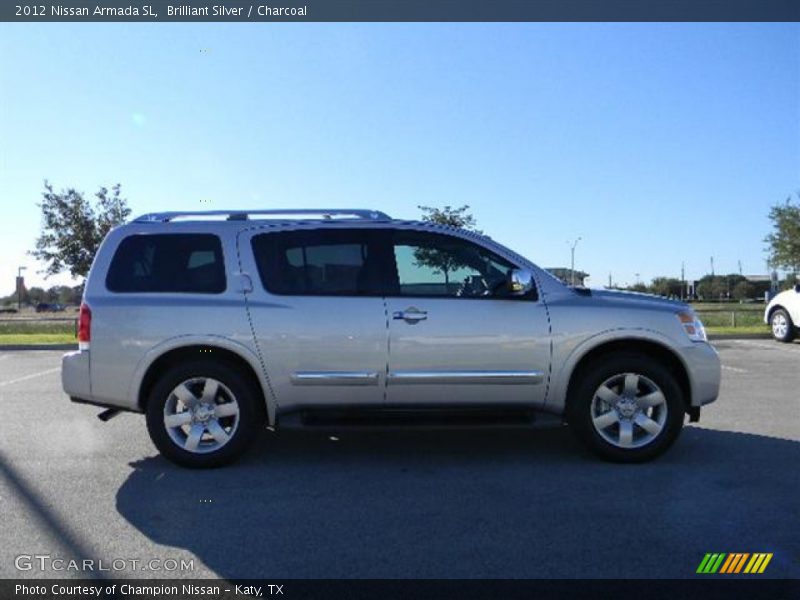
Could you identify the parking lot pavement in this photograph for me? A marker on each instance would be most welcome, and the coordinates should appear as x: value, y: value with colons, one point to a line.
x: 453, y: 504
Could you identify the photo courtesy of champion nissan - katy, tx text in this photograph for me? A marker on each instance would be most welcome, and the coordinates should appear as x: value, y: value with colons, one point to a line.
x: 217, y: 324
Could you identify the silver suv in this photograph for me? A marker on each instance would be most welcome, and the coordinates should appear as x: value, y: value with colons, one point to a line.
x: 216, y: 324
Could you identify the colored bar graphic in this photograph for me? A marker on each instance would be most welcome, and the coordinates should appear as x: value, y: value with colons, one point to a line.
x: 711, y: 562
x: 732, y: 563
x: 765, y: 563
x: 703, y: 563
x: 728, y: 564
x: 740, y: 564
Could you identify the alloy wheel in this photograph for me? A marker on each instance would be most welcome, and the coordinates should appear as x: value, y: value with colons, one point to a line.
x: 629, y: 410
x: 201, y: 415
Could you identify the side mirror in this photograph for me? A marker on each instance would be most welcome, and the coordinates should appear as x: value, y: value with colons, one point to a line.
x: 797, y: 287
x: 520, y: 282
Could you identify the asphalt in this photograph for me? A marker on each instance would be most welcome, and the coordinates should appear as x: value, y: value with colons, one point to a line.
x: 402, y: 504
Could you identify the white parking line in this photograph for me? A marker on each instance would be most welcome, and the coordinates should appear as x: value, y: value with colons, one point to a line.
x: 764, y: 345
x: 734, y: 369
x: 31, y: 376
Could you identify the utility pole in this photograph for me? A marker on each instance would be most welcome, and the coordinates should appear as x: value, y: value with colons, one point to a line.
x: 572, y: 264
x: 740, y: 267
x: 712, y: 266
x: 683, y: 278
x: 609, y: 280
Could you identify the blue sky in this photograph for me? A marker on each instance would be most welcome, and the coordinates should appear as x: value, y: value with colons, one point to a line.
x: 655, y: 143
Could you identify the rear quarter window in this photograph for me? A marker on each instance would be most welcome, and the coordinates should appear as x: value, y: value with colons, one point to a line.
x: 182, y: 263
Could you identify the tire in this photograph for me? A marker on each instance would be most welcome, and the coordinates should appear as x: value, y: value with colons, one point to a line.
x: 626, y: 408
x: 781, y: 324
x: 191, y: 431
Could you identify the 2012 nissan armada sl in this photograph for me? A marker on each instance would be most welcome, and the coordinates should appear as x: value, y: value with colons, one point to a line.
x: 216, y: 324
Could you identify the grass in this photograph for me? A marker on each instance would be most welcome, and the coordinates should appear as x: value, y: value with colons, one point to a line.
x: 747, y: 329
x: 728, y: 306
x: 39, y: 332
x: 38, y: 327
x: 8, y: 339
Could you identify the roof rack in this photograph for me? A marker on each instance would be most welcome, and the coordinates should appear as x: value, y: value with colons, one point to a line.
x: 244, y: 215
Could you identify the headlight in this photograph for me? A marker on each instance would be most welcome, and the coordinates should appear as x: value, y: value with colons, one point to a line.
x: 692, y: 326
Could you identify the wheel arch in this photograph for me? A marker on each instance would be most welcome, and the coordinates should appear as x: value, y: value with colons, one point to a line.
x: 175, y: 351
x: 650, y: 348
x: 772, y: 310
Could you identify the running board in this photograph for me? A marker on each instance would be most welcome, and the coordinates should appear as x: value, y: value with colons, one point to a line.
x: 462, y: 418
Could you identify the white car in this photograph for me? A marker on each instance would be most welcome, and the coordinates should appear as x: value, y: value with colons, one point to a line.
x: 783, y: 314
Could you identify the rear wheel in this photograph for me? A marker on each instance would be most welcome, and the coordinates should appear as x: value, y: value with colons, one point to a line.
x: 626, y: 408
x: 782, y: 326
x: 203, y: 414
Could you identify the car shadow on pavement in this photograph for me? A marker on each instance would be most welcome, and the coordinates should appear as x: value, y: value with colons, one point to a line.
x: 469, y: 504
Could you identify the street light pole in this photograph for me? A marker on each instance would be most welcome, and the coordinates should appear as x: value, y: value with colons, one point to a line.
x: 19, y: 287
x: 572, y: 264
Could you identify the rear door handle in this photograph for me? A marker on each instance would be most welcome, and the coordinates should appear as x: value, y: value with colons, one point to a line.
x: 411, y: 315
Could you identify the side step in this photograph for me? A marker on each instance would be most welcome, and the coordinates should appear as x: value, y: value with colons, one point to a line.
x: 425, y: 418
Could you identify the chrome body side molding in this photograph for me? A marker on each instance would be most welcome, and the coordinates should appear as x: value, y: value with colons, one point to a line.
x: 469, y: 377
x: 334, y: 378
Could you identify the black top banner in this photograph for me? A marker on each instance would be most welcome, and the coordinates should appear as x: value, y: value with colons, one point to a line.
x: 153, y: 11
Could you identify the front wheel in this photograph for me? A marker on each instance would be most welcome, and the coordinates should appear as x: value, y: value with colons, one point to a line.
x: 626, y: 408
x: 782, y: 326
x: 203, y: 414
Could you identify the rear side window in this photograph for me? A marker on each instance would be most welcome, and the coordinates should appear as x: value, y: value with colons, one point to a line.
x: 183, y: 263
x: 318, y: 263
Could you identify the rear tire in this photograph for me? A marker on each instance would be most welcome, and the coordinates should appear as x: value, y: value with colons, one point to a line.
x: 782, y: 327
x: 626, y: 408
x: 203, y: 414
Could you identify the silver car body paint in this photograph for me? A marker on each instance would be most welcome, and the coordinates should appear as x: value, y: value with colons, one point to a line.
x: 336, y: 351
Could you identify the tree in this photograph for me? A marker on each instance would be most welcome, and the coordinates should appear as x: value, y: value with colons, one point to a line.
x: 744, y: 290
x: 718, y: 287
x: 666, y: 286
x: 36, y: 295
x: 437, y: 260
x: 454, y: 217
x: 783, y: 244
x: 72, y: 228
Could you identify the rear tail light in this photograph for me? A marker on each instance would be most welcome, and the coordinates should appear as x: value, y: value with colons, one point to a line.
x: 84, y: 327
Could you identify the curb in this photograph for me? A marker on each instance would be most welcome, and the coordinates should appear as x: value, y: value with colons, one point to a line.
x: 19, y: 347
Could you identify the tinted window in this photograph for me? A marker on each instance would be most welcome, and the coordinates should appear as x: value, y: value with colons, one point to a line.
x: 168, y: 263
x: 322, y: 262
x: 439, y: 265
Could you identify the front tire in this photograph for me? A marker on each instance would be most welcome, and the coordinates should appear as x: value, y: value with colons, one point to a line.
x: 203, y: 414
x: 626, y: 408
x: 782, y: 327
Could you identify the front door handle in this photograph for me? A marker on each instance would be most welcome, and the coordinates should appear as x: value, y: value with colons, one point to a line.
x: 411, y: 315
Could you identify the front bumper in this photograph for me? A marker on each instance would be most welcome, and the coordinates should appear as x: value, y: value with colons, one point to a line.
x: 705, y: 372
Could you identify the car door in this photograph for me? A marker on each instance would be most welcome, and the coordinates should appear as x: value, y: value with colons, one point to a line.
x: 456, y: 333
x: 317, y: 314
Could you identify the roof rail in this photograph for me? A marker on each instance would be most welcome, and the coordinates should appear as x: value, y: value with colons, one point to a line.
x: 244, y: 215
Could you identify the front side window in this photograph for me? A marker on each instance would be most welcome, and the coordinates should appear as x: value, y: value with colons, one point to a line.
x: 183, y: 263
x: 318, y: 263
x: 432, y: 264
